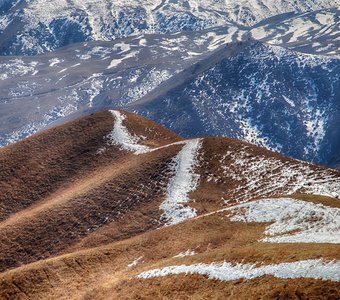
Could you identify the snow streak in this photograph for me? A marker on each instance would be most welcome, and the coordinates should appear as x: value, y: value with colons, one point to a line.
x: 135, y: 262
x: 181, y: 184
x: 185, y: 254
x: 316, y: 269
x: 121, y: 136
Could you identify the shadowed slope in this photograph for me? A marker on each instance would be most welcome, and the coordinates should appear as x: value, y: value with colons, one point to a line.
x: 37, y: 166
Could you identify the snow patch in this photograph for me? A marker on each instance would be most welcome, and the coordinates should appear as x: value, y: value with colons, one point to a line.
x: 185, y: 254
x: 54, y: 61
x: 135, y: 262
x: 294, y: 221
x: 289, y: 101
x: 122, y: 137
x: 153, y: 79
x: 313, y: 268
x: 63, y: 70
x: 251, y: 133
x: 97, y: 85
x: 181, y: 184
x: 143, y: 42
x: 115, y: 62
x: 17, y: 67
x: 326, y: 18
x: 250, y: 173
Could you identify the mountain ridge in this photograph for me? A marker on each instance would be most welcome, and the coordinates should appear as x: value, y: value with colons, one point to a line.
x: 83, y: 21
x: 104, y: 160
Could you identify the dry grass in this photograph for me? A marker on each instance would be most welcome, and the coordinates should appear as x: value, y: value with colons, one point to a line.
x: 35, y: 167
x: 317, y: 199
x: 102, y: 273
x: 74, y: 220
x: 57, y: 226
x: 117, y: 191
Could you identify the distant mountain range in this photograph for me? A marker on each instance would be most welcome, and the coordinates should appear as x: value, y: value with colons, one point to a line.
x: 114, y: 195
x: 264, y: 94
x: 261, y: 93
x: 34, y: 27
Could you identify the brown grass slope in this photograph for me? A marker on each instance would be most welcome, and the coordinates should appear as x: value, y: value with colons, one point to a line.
x: 74, y: 218
x: 103, y: 272
x: 224, y: 181
x: 58, y: 193
x: 37, y: 166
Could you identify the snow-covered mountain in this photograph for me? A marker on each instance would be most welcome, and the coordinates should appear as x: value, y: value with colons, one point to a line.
x: 37, y: 26
x: 258, y: 92
x: 314, y: 32
x: 264, y: 94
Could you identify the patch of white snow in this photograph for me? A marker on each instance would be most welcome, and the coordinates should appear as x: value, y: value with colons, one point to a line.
x: 185, y: 254
x: 122, y: 137
x: 313, y: 268
x: 181, y: 184
x: 293, y: 221
x: 135, y: 262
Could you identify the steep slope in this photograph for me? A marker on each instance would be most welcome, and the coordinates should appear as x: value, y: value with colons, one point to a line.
x: 67, y: 182
x: 264, y: 94
x: 36, y: 167
x: 37, y: 26
x: 114, y: 175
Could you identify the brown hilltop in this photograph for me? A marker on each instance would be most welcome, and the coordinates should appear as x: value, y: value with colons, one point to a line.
x: 76, y: 209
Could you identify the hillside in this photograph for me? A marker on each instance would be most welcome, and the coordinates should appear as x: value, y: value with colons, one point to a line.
x: 264, y: 94
x: 114, y: 206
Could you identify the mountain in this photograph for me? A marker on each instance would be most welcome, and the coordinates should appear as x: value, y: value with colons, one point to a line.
x: 114, y: 206
x: 34, y: 27
x: 107, y: 71
x: 314, y: 32
x: 169, y: 149
x: 264, y: 94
